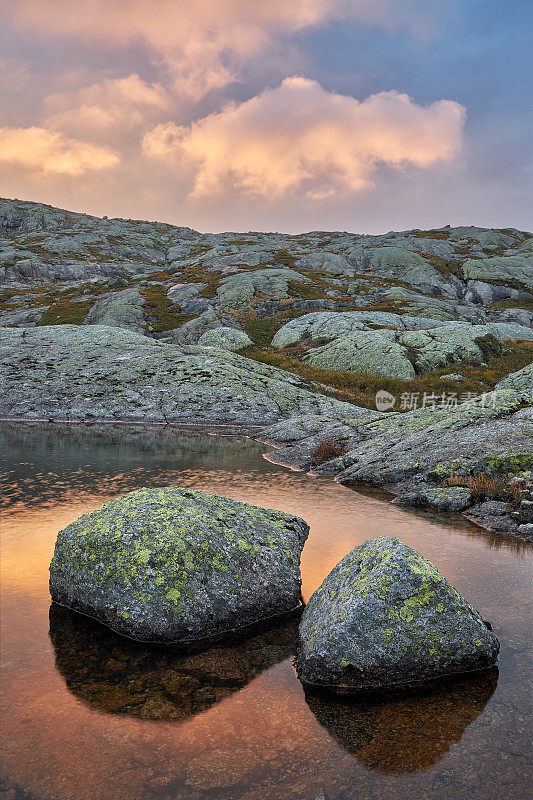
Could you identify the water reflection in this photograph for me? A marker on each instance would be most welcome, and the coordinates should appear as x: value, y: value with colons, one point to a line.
x: 88, y: 715
x: 108, y: 459
x: 408, y: 733
x: 116, y: 675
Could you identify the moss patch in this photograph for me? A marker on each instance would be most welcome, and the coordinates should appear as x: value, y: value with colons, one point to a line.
x: 160, y: 311
x: 66, y: 313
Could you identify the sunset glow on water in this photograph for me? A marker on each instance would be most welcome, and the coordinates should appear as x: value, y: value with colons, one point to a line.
x: 89, y: 715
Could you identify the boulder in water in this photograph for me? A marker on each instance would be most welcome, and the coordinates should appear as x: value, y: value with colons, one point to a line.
x: 386, y: 618
x: 177, y: 565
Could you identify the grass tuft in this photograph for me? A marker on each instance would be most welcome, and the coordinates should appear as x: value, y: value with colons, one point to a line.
x: 361, y: 388
x: 486, y: 487
x: 161, y: 311
x: 326, y: 450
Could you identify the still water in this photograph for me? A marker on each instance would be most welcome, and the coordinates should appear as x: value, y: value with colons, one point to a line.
x: 88, y: 715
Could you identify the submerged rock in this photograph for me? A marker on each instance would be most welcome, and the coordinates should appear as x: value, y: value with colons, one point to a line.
x: 384, y: 618
x: 177, y: 565
x: 116, y: 676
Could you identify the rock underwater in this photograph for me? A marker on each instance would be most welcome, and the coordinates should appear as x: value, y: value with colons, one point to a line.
x: 114, y: 675
x: 174, y: 565
x: 386, y: 618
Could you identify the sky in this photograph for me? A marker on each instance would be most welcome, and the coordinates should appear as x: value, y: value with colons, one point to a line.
x: 287, y: 115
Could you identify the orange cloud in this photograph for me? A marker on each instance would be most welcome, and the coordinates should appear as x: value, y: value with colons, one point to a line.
x: 299, y: 137
x: 43, y: 152
x: 117, y: 105
x: 204, y: 44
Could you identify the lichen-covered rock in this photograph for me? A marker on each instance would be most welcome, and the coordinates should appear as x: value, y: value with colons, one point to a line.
x: 108, y: 373
x: 520, y: 381
x: 449, y: 344
x: 385, y: 617
x: 226, y: 338
x: 492, y: 432
x: 493, y: 515
x: 332, y: 325
x: 401, y: 353
x: 177, y: 565
x: 192, y: 331
x: 374, y: 352
x: 237, y: 290
x: 326, y: 262
x: 120, y: 309
x: 514, y: 270
x: 447, y: 498
x: 187, y: 296
x: 22, y: 319
x: 410, y: 267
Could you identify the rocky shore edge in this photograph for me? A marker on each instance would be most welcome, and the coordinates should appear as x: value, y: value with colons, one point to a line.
x: 416, y: 492
x: 474, y: 457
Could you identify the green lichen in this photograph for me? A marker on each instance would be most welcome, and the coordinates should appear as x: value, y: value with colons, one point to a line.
x: 150, y: 536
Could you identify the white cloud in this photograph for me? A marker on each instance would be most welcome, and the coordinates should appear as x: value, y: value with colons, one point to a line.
x: 43, y: 152
x: 299, y: 138
x: 109, y: 106
x: 204, y: 44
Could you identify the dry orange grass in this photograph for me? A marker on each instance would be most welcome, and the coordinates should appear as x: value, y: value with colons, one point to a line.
x: 483, y: 486
x: 327, y: 450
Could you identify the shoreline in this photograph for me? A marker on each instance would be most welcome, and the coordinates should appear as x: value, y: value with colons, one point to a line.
x: 386, y: 493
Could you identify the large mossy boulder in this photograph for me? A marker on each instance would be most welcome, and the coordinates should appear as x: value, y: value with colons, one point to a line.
x: 386, y: 618
x: 176, y: 565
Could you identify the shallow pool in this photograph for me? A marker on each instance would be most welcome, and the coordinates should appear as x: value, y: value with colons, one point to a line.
x: 88, y: 715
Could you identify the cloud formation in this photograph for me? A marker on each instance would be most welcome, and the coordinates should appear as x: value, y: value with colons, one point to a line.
x: 204, y: 44
x: 301, y: 138
x: 111, y: 106
x: 43, y: 152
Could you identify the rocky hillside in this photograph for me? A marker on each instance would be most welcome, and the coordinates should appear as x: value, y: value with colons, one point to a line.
x: 261, y: 329
x: 404, y: 309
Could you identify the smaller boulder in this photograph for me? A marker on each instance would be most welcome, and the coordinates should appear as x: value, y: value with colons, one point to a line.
x: 372, y: 352
x: 526, y: 530
x: 385, y: 618
x: 226, y: 338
